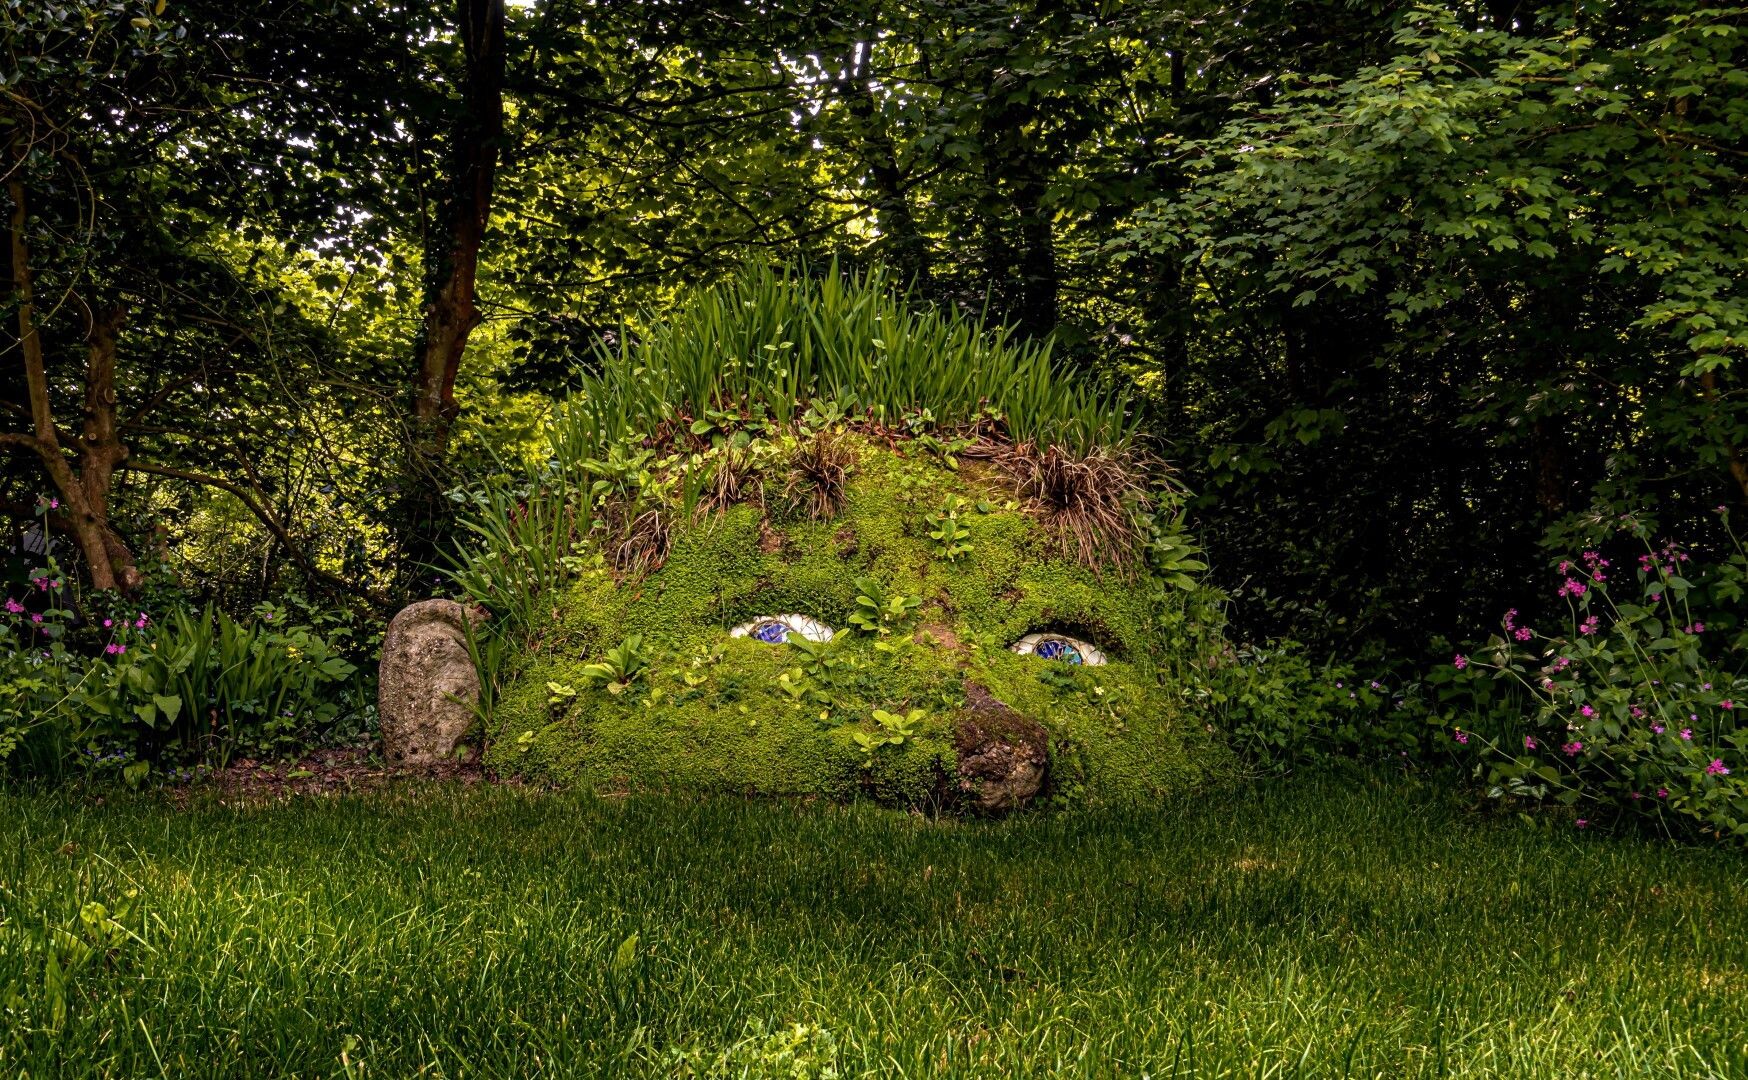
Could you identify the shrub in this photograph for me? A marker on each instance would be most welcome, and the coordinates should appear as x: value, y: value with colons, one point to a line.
x: 1284, y: 711
x: 1632, y: 708
x: 118, y: 687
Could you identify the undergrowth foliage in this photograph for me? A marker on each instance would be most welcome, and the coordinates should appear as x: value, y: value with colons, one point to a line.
x: 120, y: 690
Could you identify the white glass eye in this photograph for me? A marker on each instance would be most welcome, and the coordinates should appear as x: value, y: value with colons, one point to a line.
x: 776, y: 629
x: 1061, y: 647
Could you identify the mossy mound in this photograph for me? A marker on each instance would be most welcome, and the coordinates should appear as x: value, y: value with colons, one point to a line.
x: 716, y: 713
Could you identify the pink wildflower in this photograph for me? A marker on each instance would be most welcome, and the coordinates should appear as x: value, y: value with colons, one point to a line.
x: 1462, y: 737
x: 1662, y: 793
x: 1459, y: 661
x: 1573, y: 748
x: 1587, y: 711
x: 1589, y: 626
x: 1529, y: 742
x: 14, y: 606
x: 1583, y: 823
x: 1717, y: 768
x: 1523, y: 633
x: 1687, y: 734
x: 1726, y: 704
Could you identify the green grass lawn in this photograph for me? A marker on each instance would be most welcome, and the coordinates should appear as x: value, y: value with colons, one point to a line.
x: 1291, y: 930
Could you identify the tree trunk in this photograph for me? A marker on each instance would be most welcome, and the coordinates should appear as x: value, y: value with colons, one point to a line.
x: 86, y: 522
x: 1732, y: 452
x: 904, y: 243
x: 1017, y: 173
x: 101, y: 448
x: 452, y: 261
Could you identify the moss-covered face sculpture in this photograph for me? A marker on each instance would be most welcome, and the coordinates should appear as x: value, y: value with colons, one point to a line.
x: 907, y: 631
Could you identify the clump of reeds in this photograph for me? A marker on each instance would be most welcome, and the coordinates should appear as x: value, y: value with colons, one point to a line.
x: 772, y: 342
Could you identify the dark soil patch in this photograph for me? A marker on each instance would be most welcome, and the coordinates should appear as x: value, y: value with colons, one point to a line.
x: 323, y: 772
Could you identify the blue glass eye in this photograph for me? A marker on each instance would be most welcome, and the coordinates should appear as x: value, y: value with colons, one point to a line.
x: 777, y: 629
x: 1057, y: 649
x: 1053, y: 646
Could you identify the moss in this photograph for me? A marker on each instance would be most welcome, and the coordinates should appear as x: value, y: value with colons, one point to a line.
x: 725, y: 723
x: 723, y: 714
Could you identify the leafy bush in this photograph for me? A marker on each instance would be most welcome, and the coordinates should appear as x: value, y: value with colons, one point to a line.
x: 120, y: 688
x: 1283, y: 711
x: 1633, y: 707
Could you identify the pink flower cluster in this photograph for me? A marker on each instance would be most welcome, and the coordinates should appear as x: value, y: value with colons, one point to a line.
x: 1521, y: 633
x: 1666, y: 559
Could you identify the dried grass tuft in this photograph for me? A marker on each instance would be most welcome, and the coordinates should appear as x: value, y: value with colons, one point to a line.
x: 643, y: 546
x: 735, y: 479
x: 819, y: 472
x: 1088, y: 500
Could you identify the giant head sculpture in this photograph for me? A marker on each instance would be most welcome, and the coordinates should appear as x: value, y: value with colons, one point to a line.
x: 788, y: 595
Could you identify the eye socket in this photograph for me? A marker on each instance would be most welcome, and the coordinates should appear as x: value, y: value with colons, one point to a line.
x: 776, y: 629
x: 1059, y: 647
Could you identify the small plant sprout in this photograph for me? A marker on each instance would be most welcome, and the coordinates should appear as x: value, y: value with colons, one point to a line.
x: 794, y: 684
x: 895, y: 728
x: 817, y: 657
x: 623, y: 665
x: 877, y: 613
x: 949, y: 535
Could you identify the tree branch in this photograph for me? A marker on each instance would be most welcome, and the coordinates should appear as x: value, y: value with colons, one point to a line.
x: 265, y: 516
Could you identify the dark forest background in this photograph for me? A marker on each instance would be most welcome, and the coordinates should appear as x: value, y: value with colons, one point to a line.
x: 1415, y: 298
